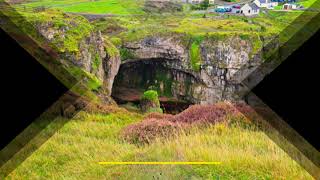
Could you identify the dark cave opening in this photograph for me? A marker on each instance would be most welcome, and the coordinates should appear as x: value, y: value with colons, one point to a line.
x: 137, y: 76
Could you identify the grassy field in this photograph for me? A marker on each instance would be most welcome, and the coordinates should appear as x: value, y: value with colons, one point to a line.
x: 310, y: 3
x: 75, y: 150
x: 133, y: 28
x: 133, y: 23
x: 118, y: 7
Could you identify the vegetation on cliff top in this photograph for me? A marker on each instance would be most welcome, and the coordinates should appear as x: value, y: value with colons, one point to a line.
x: 65, y: 33
x: 67, y: 30
x: 123, y: 28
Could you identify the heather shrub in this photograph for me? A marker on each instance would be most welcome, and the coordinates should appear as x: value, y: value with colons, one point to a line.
x: 149, y: 129
x: 160, y: 125
x: 156, y: 115
x: 201, y: 114
x: 249, y: 117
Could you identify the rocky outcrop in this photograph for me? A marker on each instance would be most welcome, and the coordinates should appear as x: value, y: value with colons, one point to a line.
x: 87, y: 56
x: 195, y: 70
x: 225, y: 62
x: 158, y: 47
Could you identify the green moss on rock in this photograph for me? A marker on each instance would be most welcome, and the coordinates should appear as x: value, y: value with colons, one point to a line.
x: 195, y: 56
x: 150, y: 102
x: 126, y: 54
x: 151, y: 95
x: 90, y: 80
x: 110, y: 48
x: 96, y: 62
x: 69, y: 29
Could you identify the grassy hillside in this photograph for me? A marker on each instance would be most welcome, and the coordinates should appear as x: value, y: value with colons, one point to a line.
x: 119, y: 7
x: 130, y: 22
x: 75, y: 150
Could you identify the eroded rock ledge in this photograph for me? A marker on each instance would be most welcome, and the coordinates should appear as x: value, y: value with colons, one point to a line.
x: 167, y: 65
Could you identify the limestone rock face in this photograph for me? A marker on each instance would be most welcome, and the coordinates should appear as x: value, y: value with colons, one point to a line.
x: 91, y: 57
x: 167, y: 64
x: 224, y: 64
x: 158, y: 48
x: 110, y: 67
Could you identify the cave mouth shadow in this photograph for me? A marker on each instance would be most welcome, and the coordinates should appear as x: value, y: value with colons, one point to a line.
x: 137, y: 76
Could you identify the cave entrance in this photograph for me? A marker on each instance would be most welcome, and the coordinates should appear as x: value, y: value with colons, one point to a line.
x: 137, y: 76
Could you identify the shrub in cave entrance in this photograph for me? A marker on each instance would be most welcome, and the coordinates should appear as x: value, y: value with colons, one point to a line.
x: 139, y: 76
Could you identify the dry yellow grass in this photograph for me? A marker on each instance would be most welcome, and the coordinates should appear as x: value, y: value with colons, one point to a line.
x: 75, y: 150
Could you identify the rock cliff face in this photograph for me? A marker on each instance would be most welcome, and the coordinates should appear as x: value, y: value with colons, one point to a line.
x: 166, y: 64
x: 181, y: 68
x: 90, y: 57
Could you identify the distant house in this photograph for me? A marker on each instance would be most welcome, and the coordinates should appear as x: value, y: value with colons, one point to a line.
x: 266, y: 3
x: 288, y: 6
x: 250, y: 9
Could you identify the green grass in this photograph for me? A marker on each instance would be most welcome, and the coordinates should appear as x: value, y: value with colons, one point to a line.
x: 75, y: 150
x: 278, y: 7
x: 70, y: 29
x: 119, y: 7
x: 310, y: 3
x: 195, y: 56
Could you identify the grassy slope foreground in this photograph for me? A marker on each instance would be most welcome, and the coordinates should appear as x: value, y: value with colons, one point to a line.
x: 75, y: 150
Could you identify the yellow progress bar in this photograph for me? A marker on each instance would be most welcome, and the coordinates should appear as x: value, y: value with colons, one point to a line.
x: 159, y: 163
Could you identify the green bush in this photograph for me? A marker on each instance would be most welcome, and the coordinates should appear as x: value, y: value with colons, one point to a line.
x: 150, y: 102
x: 151, y: 95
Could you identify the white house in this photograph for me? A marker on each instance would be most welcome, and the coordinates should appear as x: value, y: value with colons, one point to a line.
x: 250, y: 9
x: 265, y: 3
x: 288, y: 6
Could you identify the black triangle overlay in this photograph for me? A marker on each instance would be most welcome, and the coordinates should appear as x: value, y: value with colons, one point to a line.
x: 291, y: 90
x: 28, y: 89
x: 44, y: 72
